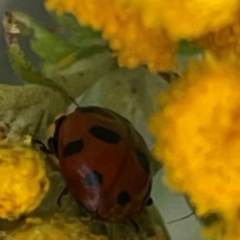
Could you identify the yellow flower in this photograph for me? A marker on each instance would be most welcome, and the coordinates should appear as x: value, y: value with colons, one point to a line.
x: 23, y: 181
x: 185, y: 18
x: 223, y: 230
x: 198, y: 137
x: 224, y: 43
x: 134, y: 43
x: 55, y: 228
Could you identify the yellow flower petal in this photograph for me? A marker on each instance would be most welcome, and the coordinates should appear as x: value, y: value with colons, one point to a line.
x: 23, y: 181
x: 55, y: 228
x: 198, y: 139
x: 223, y: 230
x: 134, y: 43
x: 198, y: 136
x: 185, y: 18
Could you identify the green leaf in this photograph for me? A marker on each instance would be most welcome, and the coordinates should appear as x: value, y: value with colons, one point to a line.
x: 47, y: 45
x: 188, y: 48
x: 54, y: 48
x: 28, y: 110
x: 72, y: 29
x: 20, y: 63
x: 70, y: 59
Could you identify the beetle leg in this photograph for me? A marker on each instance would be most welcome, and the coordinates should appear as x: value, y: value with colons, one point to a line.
x: 135, y: 225
x: 179, y: 219
x: 149, y: 202
x: 42, y: 146
x: 63, y: 193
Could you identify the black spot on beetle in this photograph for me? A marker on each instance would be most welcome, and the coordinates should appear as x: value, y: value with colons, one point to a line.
x: 93, y: 179
x: 73, y: 147
x: 143, y: 160
x: 105, y: 134
x: 123, y: 198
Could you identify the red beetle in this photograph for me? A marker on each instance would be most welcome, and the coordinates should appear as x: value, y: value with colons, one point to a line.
x: 104, y: 162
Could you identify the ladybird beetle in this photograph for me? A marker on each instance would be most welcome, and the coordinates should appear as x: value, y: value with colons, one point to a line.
x: 104, y: 162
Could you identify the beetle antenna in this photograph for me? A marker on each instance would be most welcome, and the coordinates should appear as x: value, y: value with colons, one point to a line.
x: 74, y: 102
x: 185, y: 217
x: 42, y: 146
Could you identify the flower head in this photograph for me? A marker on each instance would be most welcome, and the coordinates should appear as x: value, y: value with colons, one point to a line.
x: 180, y: 17
x: 23, y: 181
x: 60, y: 226
x: 198, y: 137
x: 122, y: 26
x: 222, y: 229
